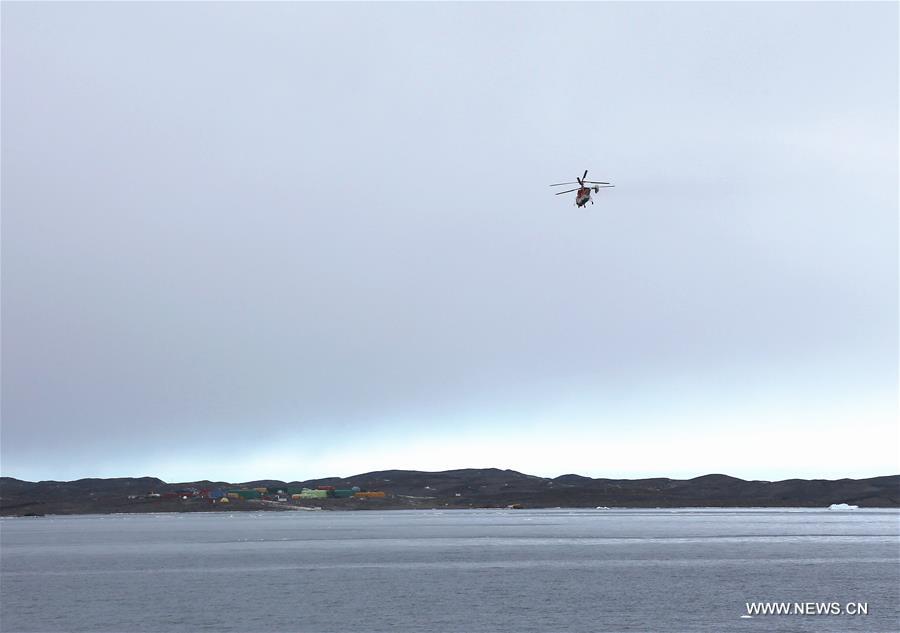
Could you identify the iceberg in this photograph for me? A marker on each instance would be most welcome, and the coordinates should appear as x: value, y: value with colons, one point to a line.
x: 842, y: 506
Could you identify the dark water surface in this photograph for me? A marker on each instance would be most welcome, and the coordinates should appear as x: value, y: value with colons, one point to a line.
x: 472, y: 571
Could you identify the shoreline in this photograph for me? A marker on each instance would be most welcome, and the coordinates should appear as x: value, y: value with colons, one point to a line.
x: 289, y: 510
x: 447, y: 490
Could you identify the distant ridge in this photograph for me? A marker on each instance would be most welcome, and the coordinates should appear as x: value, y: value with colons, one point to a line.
x: 463, y: 488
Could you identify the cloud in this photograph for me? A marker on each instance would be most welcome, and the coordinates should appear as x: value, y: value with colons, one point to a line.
x: 300, y: 228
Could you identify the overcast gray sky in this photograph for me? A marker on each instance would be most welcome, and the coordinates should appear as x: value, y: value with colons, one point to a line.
x: 282, y: 240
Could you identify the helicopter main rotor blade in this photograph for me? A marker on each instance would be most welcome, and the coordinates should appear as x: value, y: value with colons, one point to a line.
x: 585, y: 174
x: 559, y: 184
x: 595, y: 182
x: 569, y: 191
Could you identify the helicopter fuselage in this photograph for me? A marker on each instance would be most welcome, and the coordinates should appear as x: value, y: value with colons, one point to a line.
x: 582, y: 196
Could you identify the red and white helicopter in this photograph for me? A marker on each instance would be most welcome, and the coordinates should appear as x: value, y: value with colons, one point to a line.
x: 584, y: 191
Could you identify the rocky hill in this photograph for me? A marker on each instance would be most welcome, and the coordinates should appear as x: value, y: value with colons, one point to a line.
x: 466, y: 488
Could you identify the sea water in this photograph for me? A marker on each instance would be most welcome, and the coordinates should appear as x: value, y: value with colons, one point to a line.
x: 455, y: 570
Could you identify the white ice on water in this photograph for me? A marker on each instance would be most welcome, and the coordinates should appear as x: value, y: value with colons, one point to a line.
x: 842, y: 506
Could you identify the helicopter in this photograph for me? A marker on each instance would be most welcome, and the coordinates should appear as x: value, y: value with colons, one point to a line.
x: 584, y: 191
